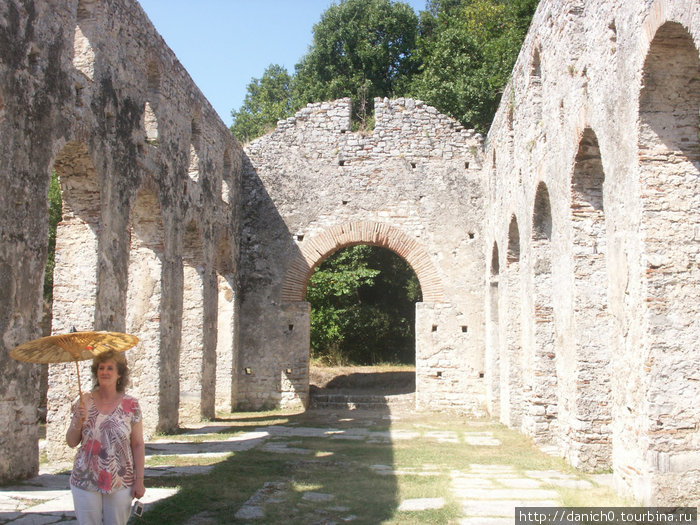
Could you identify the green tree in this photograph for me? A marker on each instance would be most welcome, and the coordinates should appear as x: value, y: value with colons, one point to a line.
x: 467, y: 51
x: 268, y: 99
x: 363, y: 308
x: 361, y: 49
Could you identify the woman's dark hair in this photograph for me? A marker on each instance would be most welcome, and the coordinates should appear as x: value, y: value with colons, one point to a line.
x: 122, y: 367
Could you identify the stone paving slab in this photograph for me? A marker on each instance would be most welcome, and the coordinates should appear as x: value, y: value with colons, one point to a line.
x: 510, y: 494
x: 41, y: 519
x: 171, y: 470
x: 442, y: 436
x: 253, y: 508
x: 277, y: 430
x: 386, y: 470
x: 421, y: 504
x: 502, y: 507
x: 489, y: 493
x: 520, y: 483
x: 180, y: 448
x: 486, y: 521
x: 62, y: 503
x: 473, y: 483
x: 284, y: 448
x: 317, y: 496
x: 481, y: 441
x: 498, y: 469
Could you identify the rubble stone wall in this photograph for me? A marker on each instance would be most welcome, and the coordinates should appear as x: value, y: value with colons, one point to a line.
x: 149, y: 179
x: 593, y: 173
x: 411, y: 185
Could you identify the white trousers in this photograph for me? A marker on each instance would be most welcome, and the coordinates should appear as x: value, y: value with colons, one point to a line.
x: 95, y: 508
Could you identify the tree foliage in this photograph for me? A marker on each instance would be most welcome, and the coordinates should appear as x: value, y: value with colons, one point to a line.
x: 361, y: 49
x: 467, y: 51
x: 268, y: 99
x: 363, y: 308
x: 457, y: 57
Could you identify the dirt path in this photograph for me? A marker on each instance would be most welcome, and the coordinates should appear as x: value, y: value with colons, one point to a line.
x: 367, y: 379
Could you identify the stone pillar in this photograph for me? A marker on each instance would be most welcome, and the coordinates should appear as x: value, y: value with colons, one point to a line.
x: 279, y: 377
x: 226, y: 348
x: 449, y: 360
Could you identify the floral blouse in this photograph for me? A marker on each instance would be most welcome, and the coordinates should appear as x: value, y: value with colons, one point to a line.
x: 104, y: 462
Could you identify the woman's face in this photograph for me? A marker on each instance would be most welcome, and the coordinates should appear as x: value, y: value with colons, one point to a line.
x: 107, y: 373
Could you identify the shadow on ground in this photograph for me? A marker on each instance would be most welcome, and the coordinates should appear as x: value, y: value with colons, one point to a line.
x: 310, y: 467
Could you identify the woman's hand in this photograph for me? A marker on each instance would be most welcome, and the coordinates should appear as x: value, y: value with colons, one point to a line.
x: 138, y: 489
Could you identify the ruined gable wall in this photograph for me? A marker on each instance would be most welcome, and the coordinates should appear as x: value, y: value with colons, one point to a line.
x: 618, y: 391
x: 415, y: 175
x: 91, y: 90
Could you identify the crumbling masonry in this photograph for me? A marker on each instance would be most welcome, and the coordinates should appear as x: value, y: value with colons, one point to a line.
x: 559, y: 259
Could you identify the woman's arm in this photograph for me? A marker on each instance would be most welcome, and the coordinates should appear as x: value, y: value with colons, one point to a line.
x: 74, y: 434
x: 138, y: 450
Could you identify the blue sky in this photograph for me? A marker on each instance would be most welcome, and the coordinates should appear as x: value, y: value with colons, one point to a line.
x: 223, y: 44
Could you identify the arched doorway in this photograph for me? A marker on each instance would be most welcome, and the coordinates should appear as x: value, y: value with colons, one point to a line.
x: 540, y: 416
x: 585, y: 407
x: 449, y: 357
x: 669, y: 171
x: 320, y: 248
x: 74, y: 280
x: 362, y: 333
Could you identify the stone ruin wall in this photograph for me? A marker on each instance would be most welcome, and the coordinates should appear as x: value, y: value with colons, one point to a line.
x: 149, y: 178
x: 569, y: 250
x: 593, y: 243
x: 411, y: 185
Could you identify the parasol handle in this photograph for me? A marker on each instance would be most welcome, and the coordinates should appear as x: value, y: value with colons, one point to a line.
x: 80, y: 392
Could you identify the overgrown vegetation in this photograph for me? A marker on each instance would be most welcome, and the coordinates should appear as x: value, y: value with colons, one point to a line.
x: 363, y: 308
x: 456, y: 55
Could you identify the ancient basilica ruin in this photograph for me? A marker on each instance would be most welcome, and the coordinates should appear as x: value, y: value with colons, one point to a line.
x: 558, y: 257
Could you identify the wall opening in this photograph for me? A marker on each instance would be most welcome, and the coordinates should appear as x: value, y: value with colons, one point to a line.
x: 512, y: 379
x: 150, y: 124
x: 227, y: 316
x: 669, y: 167
x: 586, y: 411
x: 493, y: 346
x: 363, y: 308
x: 144, y: 302
x: 535, y: 91
x: 226, y: 178
x: 363, y: 313
x: 74, y: 279
x: 195, y: 145
x: 83, y: 53
x: 540, y: 379
x: 192, y: 334
x: 153, y: 84
x: 315, y: 249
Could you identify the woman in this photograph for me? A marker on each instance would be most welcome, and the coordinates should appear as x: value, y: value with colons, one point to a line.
x: 108, y: 468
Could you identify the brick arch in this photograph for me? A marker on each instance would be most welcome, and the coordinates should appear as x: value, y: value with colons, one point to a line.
x: 317, y: 249
x: 660, y: 13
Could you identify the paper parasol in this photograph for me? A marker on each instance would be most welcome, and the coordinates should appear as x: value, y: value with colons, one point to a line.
x: 73, y: 346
